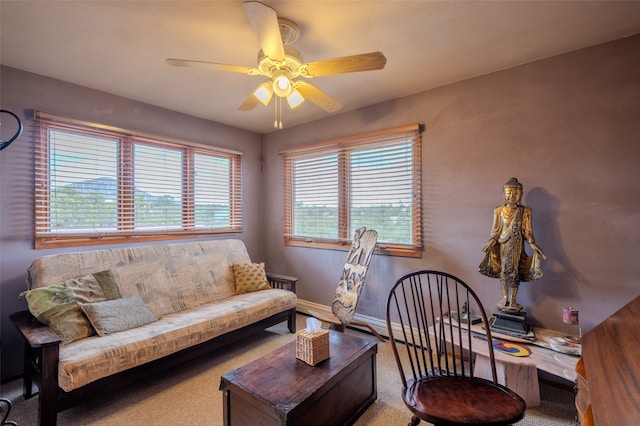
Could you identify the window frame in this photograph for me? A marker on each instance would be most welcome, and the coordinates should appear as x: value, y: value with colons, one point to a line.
x: 412, y: 133
x: 126, y: 232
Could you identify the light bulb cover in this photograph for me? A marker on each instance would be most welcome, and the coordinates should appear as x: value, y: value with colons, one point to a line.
x: 282, y: 86
x: 295, y: 99
x: 264, y: 93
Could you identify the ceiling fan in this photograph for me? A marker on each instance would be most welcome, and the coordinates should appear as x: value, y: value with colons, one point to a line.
x: 283, y: 65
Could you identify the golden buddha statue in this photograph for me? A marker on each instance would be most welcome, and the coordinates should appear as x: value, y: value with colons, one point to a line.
x: 505, y: 257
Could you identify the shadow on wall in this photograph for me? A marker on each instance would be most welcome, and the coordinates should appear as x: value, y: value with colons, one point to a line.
x: 558, y: 269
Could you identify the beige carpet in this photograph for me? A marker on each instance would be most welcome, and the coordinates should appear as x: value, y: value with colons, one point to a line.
x: 189, y: 395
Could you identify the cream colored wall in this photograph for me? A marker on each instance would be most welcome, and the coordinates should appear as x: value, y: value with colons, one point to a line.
x: 567, y: 127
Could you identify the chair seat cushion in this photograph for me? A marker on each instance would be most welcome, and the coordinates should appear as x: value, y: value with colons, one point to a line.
x: 457, y: 400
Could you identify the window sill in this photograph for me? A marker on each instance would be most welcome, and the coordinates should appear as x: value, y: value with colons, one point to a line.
x: 64, y: 241
x: 381, y: 248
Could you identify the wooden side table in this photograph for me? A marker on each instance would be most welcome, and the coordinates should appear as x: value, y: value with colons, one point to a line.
x: 520, y: 373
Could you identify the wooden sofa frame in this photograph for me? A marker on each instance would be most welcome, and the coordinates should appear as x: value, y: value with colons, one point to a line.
x: 42, y: 348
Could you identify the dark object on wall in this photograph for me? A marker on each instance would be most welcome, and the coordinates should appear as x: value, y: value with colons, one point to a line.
x: 18, y: 132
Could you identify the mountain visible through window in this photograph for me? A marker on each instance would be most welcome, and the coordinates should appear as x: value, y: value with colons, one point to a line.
x: 98, y: 186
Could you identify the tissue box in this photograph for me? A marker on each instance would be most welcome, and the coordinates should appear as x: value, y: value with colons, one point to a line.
x: 312, y: 348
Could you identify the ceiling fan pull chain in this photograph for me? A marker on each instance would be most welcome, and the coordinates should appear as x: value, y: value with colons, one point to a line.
x: 275, y: 113
x: 277, y: 122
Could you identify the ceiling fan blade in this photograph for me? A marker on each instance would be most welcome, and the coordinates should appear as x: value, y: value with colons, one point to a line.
x: 265, y: 22
x: 318, y: 97
x: 354, y: 63
x: 250, y: 103
x: 187, y: 63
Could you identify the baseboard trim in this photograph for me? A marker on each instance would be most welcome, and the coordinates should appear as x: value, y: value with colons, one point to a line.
x: 305, y: 306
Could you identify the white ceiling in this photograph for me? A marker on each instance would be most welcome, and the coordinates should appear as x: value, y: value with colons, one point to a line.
x: 119, y: 47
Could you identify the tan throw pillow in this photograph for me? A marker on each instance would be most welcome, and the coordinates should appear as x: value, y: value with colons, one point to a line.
x: 116, y: 315
x: 57, y: 305
x: 250, y: 277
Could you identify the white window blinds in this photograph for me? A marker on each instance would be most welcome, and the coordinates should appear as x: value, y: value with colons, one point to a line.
x: 96, y: 184
x: 373, y: 180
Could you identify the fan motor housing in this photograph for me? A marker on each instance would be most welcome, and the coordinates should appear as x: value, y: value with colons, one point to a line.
x: 292, y: 62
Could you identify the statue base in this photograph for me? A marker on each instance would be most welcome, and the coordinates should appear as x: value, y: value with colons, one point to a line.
x: 512, y: 324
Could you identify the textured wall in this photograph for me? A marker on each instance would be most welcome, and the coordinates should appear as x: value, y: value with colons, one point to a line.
x: 567, y: 127
x: 21, y: 93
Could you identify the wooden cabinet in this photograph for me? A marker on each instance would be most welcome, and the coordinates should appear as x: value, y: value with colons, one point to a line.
x: 608, y: 375
x: 279, y: 389
x: 583, y: 399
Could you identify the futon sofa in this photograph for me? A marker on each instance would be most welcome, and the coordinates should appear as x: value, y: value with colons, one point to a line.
x: 100, y: 319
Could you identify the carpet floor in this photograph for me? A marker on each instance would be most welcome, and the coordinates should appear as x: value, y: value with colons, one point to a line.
x: 189, y: 395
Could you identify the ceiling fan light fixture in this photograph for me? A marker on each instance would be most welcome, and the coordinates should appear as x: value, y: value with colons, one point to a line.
x: 264, y: 93
x: 282, y: 64
x: 295, y: 99
x: 282, y: 86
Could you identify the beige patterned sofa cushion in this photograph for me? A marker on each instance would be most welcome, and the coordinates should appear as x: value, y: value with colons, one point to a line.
x: 93, y: 358
x: 168, y: 277
x: 189, y: 287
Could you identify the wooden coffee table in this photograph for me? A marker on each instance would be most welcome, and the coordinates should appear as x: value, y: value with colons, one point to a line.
x: 279, y: 389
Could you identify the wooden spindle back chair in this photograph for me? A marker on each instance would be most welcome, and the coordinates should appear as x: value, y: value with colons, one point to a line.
x: 429, y: 318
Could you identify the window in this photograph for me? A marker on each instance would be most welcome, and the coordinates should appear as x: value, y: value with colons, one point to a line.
x: 373, y: 180
x: 96, y: 184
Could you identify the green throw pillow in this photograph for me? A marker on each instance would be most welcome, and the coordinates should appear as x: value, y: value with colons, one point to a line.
x: 116, y: 315
x: 57, y: 305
